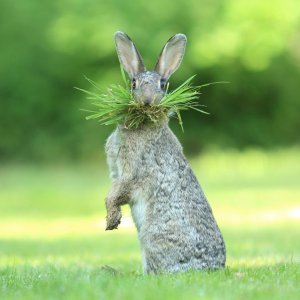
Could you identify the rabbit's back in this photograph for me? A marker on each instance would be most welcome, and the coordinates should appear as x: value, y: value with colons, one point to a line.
x: 176, y: 226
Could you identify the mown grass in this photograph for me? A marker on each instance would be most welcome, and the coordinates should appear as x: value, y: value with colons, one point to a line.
x: 53, y: 244
x: 116, y: 104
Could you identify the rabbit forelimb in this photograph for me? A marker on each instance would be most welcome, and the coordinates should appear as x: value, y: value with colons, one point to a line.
x: 118, y: 195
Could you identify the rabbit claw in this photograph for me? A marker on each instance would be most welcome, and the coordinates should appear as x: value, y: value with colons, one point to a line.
x: 113, y: 219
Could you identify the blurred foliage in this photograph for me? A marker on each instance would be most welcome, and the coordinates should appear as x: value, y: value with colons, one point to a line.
x: 47, y: 47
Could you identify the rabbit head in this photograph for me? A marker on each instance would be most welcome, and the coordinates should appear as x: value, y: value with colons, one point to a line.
x: 148, y: 87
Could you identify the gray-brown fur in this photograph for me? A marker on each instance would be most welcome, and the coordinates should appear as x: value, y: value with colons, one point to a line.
x: 175, y: 224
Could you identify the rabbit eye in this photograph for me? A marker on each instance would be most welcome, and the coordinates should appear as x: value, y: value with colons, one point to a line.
x: 162, y: 84
x: 133, y: 84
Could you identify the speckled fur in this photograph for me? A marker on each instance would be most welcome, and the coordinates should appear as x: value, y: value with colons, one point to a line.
x: 176, y: 227
x: 175, y: 224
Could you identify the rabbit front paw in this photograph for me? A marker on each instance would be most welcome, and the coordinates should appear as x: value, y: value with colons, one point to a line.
x: 113, y: 219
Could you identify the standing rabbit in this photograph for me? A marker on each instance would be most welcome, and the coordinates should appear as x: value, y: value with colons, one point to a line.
x: 175, y: 224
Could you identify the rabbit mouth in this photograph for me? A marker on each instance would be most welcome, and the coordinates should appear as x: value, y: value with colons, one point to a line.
x: 152, y: 101
x: 149, y: 100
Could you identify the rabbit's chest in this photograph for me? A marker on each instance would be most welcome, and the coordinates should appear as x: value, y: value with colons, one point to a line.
x: 138, y: 208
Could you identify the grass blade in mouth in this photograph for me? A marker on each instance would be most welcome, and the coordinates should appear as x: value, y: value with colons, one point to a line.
x: 116, y: 105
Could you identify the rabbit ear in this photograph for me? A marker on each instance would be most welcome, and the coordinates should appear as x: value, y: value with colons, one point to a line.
x: 171, y: 56
x: 129, y: 56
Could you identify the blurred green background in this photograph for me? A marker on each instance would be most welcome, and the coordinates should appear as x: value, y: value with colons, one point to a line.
x: 47, y: 47
x: 246, y: 154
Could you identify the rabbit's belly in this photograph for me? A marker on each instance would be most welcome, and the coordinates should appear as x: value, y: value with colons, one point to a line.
x: 138, y: 208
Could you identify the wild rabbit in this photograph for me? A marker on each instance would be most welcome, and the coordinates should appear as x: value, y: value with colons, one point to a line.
x: 175, y: 224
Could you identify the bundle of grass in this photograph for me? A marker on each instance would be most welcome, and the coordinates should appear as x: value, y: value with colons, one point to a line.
x: 117, y: 105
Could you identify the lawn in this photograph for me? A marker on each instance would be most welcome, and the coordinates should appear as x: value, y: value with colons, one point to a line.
x: 53, y: 244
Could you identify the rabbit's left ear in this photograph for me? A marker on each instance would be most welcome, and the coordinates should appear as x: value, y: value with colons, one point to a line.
x: 129, y: 56
x: 171, y: 56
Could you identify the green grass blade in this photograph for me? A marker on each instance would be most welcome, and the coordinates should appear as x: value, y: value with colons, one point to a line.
x: 116, y: 104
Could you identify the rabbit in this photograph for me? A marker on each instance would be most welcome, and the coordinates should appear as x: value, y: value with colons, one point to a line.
x: 175, y: 224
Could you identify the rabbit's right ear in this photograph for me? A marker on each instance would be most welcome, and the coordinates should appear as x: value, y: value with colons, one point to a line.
x: 129, y: 56
x: 171, y: 56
